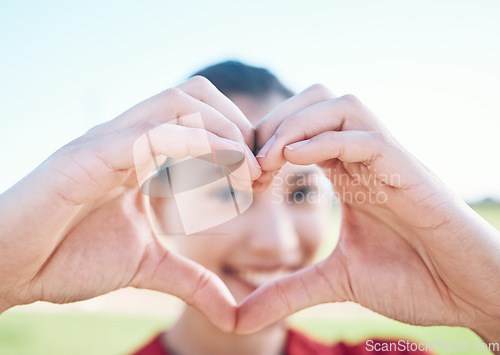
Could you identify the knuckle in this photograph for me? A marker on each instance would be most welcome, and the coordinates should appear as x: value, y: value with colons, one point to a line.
x: 352, y: 100
x: 197, y: 135
x: 321, y: 91
x: 171, y: 93
x: 264, y: 129
x: 260, y: 126
x: 282, y: 294
x: 234, y: 131
x: 201, y: 81
x: 146, y: 126
x: 288, y: 125
x: 248, y: 135
x: 227, y: 129
x: 203, y: 281
x: 381, y: 137
x: 62, y: 156
x: 328, y: 136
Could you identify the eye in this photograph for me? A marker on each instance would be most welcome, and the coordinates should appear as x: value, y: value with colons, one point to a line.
x: 301, y: 195
x: 223, y: 194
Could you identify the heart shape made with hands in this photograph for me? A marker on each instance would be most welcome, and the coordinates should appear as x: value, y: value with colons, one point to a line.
x: 392, y: 256
x: 387, y: 251
x: 177, y: 179
x: 375, y: 262
x: 328, y: 280
x: 269, y: 302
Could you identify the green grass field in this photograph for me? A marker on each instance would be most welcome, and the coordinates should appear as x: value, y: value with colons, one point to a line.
x: 32, y: 333
x: 23, y: 333
x: 35, y: 333
x: 490, y: 212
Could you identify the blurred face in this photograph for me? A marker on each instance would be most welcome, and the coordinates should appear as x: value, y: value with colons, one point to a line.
x: 279, y: 234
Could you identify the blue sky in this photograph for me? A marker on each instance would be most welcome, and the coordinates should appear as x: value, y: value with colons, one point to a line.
x: 429, y: 69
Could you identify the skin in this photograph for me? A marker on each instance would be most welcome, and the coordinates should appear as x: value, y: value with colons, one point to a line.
x: 77, y: 226
x: 285, y: 240
x: 420, y: 256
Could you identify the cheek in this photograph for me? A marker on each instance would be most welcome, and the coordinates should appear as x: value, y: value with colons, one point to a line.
x: 209, y: 248
x: 210, y: 251
x: 311, y: 227
x: 196, y: 249
x: 205, y: 250
x: 165, y: 216
x: 202, y: 250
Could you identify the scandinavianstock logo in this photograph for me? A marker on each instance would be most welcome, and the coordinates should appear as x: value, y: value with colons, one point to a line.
x: 190, y: 181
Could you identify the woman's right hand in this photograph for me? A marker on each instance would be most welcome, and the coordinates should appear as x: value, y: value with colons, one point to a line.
x: 78, y: 227
x: 408, y: 248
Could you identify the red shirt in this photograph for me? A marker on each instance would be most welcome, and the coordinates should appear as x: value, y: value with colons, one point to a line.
x: 299, y: 344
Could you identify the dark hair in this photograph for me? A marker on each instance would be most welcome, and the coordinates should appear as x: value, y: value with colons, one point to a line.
x: 233, y: 77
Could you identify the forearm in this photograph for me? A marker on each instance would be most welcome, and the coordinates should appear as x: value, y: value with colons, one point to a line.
x: 490, y: 333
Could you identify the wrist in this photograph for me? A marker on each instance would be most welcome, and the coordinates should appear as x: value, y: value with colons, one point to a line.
x: 4, y: 305
x: 490, y: 333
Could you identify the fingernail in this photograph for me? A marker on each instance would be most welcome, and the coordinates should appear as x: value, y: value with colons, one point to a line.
x: 297, y: 145
x: 262, y: 153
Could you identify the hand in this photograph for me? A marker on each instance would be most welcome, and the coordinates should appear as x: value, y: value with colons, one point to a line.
x: 408, y: 247
x: 78, y: 226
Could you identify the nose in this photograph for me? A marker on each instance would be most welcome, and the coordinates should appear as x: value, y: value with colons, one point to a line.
x: 272, y: 234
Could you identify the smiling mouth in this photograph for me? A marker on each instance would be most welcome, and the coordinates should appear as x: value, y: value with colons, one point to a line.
x: 256, y: 277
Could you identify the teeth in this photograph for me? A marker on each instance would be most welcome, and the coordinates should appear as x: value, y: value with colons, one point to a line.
x: 259, y: 278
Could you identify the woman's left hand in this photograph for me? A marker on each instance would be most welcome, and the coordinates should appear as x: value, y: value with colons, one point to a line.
x: 409, y: 248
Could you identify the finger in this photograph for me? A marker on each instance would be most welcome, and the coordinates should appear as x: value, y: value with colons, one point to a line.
x: 164, y: 271
x: 344, y: 113
x: 168, y: 106
x: 266, y: 128
x: 203, y: 90
x: 176, y: 107
x: 163, y: 140
x: 317, y: 284
x: 377, y: 151
x: 264, y: 181
x: 179, y: 142
x: 175, y: 104
x: 97, y: 166
x: 310, y: 96
x: 302, y: 125
x: 198, y: 142
x: 196, y: 121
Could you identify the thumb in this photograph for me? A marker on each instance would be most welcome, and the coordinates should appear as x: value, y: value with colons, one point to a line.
x: 164, y: 271
x: 321, y: 283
